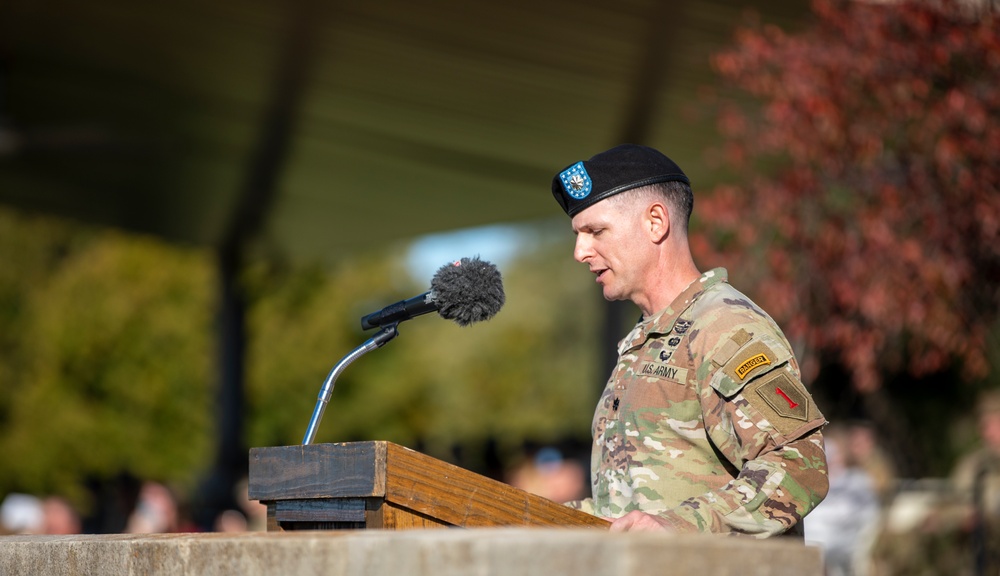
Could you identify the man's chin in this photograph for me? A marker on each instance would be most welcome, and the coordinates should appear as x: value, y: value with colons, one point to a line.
x: 610, y: 295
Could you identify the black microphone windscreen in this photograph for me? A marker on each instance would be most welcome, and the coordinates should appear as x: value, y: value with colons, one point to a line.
x: 467, y: 291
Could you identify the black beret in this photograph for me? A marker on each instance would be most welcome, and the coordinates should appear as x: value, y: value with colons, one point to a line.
x: 621, y: 168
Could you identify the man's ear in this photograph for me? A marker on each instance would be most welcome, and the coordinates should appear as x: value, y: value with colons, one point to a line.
x: 657, y: 222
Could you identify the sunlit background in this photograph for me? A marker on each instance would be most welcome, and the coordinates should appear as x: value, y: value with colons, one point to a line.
x: 200, y: 200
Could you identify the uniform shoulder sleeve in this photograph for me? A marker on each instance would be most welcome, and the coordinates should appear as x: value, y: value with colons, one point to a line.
x: 761, y: 367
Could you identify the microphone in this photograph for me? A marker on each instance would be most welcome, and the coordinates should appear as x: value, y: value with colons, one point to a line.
x: 466, y: 291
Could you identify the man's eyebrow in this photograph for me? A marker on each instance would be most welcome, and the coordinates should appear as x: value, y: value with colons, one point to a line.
x: 590, y: 226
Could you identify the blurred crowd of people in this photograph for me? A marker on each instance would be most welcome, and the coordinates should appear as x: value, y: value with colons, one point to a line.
x: 862, y: 483
x: 875, y: 524
x: 156, y: 508
x: 27, y: 514
x: 548, y: 473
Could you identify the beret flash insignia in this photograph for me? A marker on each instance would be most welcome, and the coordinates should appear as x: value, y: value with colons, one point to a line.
x: 576, y: 181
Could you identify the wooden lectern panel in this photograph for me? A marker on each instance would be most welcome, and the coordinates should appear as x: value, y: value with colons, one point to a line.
x: 384, y: 485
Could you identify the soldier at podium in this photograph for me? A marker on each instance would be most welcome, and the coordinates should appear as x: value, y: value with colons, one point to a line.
x: 705, y: 425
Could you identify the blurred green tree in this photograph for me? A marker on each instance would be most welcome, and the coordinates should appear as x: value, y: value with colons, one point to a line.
x: 525, y: 375
x: 106, y: 359
x: 108, y: 354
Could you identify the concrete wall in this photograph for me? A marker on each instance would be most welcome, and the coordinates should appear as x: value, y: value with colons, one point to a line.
x: 446, y: 552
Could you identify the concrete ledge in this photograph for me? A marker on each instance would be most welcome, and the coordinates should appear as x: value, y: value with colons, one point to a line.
x: 446, y: 552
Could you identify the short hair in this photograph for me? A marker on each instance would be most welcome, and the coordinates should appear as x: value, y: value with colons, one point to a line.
x: 677, y: 194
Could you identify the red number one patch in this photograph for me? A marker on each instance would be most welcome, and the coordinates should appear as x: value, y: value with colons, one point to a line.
x: 785, y: 396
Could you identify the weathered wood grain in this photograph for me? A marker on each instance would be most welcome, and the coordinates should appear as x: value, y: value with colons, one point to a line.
x: 388, y: 486
x: 463, y: 498
x: 317, y: 471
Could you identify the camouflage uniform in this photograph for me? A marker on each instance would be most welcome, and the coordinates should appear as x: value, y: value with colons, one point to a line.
x: 705, y: 421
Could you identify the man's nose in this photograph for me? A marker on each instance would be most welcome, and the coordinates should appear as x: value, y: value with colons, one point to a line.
x: 582, y: 250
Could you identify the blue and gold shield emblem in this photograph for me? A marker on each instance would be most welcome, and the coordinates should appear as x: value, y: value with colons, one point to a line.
x: 576, y: 182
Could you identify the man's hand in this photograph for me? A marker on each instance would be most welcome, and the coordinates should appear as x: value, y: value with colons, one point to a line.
x: 636, y: 520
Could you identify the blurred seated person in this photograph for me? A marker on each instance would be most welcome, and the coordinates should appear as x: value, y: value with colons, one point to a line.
x: 844, y: 523
x: 551, y: 476
x: 977, y: 474
x: 976, y: 481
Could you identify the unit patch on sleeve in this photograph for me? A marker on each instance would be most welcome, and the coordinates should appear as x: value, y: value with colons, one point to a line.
x: 782, y: 400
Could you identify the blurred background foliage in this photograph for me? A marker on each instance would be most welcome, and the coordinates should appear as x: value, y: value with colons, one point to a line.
x: 865, y: 148
x: 873, y: 236
x: 438, y: 386
x: 108, y: 356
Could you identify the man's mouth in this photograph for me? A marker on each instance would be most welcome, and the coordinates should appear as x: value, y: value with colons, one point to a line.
x: 599, y: 273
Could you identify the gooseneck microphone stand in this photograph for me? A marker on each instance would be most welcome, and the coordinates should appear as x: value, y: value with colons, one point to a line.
x: 384, y: 335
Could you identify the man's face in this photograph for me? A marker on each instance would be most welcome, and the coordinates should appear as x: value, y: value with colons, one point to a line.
x: 609, y: 240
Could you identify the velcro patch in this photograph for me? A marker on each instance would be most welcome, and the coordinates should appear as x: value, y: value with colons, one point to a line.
x: 730, y: 347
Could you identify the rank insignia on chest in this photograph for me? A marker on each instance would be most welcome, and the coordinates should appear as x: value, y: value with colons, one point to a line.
x: 615, y: 405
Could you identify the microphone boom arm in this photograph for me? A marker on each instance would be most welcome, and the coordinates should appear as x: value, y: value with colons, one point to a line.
x: 383, y: 336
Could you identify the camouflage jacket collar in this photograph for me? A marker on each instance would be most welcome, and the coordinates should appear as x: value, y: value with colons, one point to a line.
x: 663, y: 321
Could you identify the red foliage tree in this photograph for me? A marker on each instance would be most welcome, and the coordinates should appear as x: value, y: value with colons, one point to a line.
x: 878, y: 222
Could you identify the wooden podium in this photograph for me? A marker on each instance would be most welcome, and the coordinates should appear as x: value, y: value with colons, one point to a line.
x: 379, y: 484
